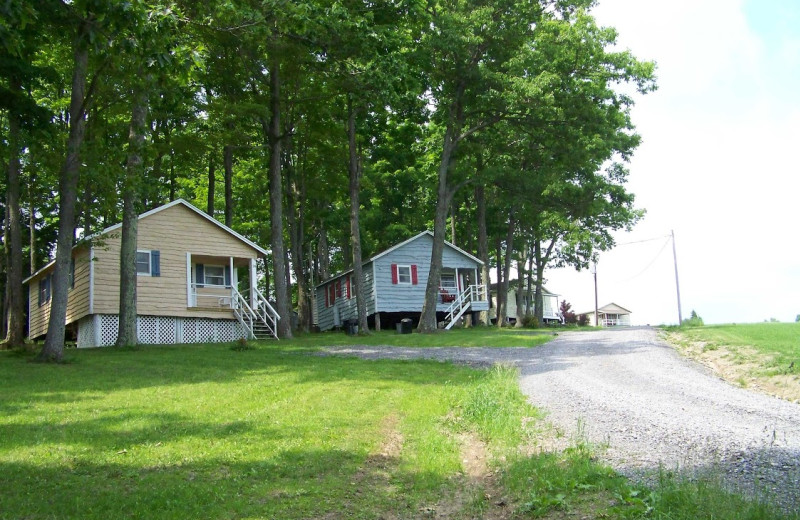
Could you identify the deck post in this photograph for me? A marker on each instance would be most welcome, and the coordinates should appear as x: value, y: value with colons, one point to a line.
x: 189, y: 280
x: 233, y: 279
x: 253, y: 282
x: 377, y: 321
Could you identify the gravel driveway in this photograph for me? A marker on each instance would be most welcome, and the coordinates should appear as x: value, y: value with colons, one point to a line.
x: 629, y: 391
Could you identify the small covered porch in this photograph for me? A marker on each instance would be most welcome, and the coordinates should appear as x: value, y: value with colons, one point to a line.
x: 229, y: 285
x: 213, y: 282
x: 454, y: 282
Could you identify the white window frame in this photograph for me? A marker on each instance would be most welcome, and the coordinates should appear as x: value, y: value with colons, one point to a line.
x: 448, y: 286
x: 206, y: 282
x: 149, y: 262
x: 400, y: 275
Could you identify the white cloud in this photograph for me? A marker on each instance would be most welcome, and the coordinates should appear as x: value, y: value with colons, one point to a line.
x: 717, y: 164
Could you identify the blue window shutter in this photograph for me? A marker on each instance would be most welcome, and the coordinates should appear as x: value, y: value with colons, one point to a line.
x: 41, y: 300
x: 227, y: 275
x: 155, y: 263
x: 200, y: 274
x: 72, y: 273
x: 47, y: 287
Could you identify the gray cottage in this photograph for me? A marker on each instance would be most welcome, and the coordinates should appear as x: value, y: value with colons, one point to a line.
x: 394, y: 286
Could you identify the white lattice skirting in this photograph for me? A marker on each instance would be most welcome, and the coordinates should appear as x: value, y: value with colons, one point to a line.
x: 100, y: 330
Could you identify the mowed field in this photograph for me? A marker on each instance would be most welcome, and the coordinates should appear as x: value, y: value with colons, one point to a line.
x: 761, y: 356
x: 273, y: 431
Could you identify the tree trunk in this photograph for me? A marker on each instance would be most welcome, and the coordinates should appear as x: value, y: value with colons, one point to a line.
x: 529, y: 292
x: 126, y: 333
x: 483, y: 241
x: 501, y: 298
x: 295, y: 198
x: 541, y: 260
x: 53, y: 349
x: 15, y: 330
x: 355, y: 231
x: 32, y: 224
x: 507, y: 268
x: 212, y: 179
x: 427, y: 320
x: 452, y: 222
x: 227, y: 158
x: 323, y: 255
x: 520, y: 296
x: 276, y: 203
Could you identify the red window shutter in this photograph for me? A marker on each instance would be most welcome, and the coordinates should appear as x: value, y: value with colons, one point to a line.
x: 394, y: 273
x: 413, y: 274
x: 339, y: 288
x: 331, y: 293
x: 348, y: 287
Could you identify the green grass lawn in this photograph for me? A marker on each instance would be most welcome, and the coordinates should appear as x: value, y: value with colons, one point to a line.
x: 212, y: 432
x: 777, y: 345
x: 471, y: 337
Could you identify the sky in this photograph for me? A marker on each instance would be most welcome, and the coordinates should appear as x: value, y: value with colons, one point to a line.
x: 718, y: 165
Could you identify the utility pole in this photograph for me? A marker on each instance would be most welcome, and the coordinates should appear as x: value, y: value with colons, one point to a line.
x: 596, y: 315
x: 677, y: 285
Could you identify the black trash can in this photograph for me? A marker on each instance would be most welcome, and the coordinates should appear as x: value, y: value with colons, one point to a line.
x: 351, y: 327
x: 406, y: 326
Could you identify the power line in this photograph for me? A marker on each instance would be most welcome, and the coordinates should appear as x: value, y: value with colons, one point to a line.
x: 644, y: 240
x: 666, y: 242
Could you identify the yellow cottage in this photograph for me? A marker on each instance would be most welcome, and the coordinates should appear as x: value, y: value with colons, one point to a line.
x: 188, y: 266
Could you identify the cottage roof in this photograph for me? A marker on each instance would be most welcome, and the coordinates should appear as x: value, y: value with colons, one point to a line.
x: 151, y: 212
x: 610, y: 308
x: 398, y: 246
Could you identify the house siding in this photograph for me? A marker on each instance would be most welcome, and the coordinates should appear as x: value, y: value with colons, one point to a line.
x: 174, y: 232
x: 549, y: 301
x: 409, y: 298
x: 77, y: 298
x: 345, y: 307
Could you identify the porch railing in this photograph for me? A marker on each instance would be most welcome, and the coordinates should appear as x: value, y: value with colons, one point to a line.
x: 256, y: 314
x: 212, y: 296
x: 462, y: 302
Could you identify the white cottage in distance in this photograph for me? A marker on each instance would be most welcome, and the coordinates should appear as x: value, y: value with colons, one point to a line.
x: 611, y: 315
x: 394, y: 286
x: 550, y: 306
x: 188, y: 271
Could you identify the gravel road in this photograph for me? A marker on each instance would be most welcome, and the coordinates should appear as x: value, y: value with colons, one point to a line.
x: 629, y: 392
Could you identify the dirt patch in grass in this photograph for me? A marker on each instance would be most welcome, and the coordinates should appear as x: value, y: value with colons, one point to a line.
x: 478, y: 493
x: 741, y: 366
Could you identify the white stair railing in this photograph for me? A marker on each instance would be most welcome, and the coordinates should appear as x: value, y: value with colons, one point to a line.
x: 463, y: 302
x: 258, y: 316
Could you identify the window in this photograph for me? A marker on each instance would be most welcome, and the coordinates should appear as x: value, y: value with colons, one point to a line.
x: 448, y: 281
x: 214, y: 275
x: 44, y: 290
x: 404, y: 274
x: 143, y: 262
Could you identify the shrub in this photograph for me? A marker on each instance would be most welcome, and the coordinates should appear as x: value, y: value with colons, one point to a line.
x: 530, y: 321
x: 583, y: 320
x: 693, y: 321
x: 566, y: 312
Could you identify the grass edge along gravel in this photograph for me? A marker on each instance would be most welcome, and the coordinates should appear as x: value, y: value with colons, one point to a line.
x: 174, y: 430
x: 761, y: 356
x: 547, y: 484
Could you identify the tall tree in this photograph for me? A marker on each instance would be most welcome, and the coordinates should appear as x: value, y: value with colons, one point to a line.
x: 127, y: 332
x: 469, y: 45
x: 19, y: 40
x: 80, y: 97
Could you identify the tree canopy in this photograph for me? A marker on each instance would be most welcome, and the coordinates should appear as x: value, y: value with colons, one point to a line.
x: 327, y: 130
